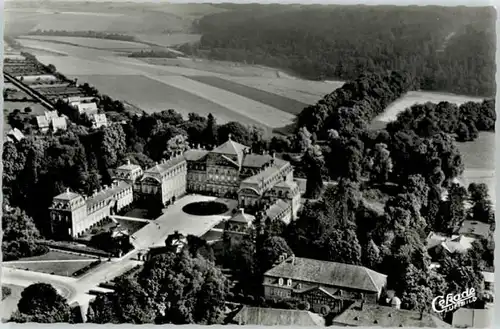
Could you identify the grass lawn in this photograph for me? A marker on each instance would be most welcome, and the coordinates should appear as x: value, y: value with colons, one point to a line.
x: 56, y: 255
x: 55, y: 267
x: 282, y: 103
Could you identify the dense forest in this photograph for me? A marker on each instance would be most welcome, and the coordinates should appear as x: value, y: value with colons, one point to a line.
x: 442, y: 48
x: 86, y: 34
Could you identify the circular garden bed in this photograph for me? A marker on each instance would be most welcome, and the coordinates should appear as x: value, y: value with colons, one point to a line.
x: 205, y: 208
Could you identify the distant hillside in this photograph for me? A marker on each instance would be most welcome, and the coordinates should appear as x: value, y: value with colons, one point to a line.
x: 444, y: 48
x: 110, y: 17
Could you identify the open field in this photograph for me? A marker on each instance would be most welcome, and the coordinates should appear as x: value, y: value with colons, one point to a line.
x: 308, y: 92
x: 57, y: 255
x: 104, y: 44
x: 479, y: 161
x: 283, y: 103
x: 66, y: 268
x: 264, y: 114
x: 218, y: 67
x: 74, y: 67
x: 421, y: 97
x: 154, y: 96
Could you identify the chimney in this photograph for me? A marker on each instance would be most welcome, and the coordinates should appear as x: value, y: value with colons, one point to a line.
x: 242, y: 211
x: 128, y: 162
x: 67, y: 190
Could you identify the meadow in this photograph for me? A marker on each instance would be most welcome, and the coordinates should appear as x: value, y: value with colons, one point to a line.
x: 103, y: 44
x: 56, y: 267
x: 308, y: 92
x: 56, y: 255
x: 218, y: 67
x: 479, y: 161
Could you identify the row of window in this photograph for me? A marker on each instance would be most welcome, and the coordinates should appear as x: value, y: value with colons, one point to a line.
x: 223, y: 178
x: 280, y: 292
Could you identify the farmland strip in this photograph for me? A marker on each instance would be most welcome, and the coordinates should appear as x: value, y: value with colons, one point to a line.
x: 262, y: 113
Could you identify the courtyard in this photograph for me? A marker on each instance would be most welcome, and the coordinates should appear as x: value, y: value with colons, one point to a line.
x: 174, y: 219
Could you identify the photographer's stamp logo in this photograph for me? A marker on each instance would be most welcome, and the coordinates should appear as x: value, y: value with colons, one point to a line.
x: 451, y: 302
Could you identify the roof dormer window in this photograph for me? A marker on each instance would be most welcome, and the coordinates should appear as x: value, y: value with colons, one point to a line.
x: 280, y: 281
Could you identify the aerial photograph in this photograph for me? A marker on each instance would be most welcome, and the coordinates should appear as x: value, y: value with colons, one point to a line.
x: 248, y: 164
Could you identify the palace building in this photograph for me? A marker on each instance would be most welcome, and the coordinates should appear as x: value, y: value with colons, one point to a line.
x: 229, y: 171
x: 72, y: 214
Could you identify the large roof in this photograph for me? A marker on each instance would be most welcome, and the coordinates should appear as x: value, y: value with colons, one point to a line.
x: 277, y: 317
x: 242, y: 217
x: 59, y: 122
x: 128, y: 166
x: 107, y: 193
x: 67, y: 196
x: 475, y: 228
x: 275, y: 209
x: 231, y: 148
x: 330, y: 274
x: 16, y: 133
x: 164, y: 166
x: 194, y: 155
x: 372, y: 315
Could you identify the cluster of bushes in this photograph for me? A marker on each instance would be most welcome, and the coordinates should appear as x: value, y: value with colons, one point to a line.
x: 69, y: 246
x: 153, y: 54
x: 351, y: 107
x: 86, y: 34
x: 464, y: 121
x: 6, y: 291
x: 85, y: 269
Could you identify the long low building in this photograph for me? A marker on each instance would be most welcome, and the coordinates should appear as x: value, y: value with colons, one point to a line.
x: 72, y: 214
